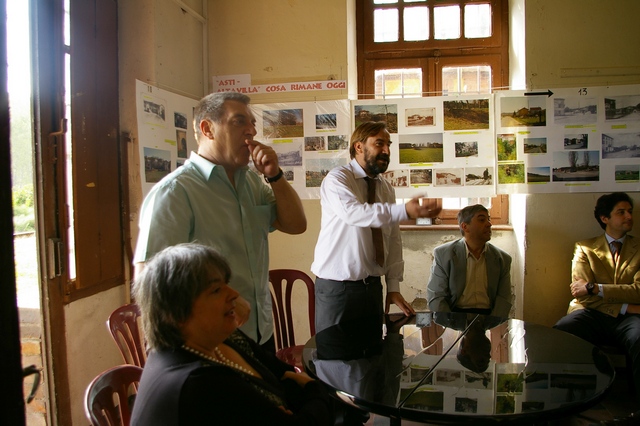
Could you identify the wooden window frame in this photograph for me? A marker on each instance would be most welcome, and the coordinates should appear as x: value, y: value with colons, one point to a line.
x: 495, y: 40
x: 499, y: 213
x: 430, y: 54
x: 98, y: 206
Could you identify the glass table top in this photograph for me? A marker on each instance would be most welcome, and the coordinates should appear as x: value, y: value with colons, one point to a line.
x: 458, y: 367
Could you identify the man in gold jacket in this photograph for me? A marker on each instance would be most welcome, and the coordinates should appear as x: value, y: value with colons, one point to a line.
x: 606, y: 285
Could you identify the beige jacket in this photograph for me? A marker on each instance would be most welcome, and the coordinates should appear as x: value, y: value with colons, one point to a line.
x: 592, y: 261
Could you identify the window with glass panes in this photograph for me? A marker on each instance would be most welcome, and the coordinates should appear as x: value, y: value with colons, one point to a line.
x: 410, y: 48
x: 415, y: 48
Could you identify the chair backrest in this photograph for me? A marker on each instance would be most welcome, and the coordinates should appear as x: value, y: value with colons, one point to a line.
x: 282, y: 282
x: 124, y: 328
x: 109, y: 398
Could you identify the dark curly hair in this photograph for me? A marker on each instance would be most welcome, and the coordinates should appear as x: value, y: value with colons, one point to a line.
x: 606, y: 203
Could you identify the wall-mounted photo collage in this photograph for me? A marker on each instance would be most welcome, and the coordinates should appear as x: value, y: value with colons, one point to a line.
x: 565, y: 140
x: 576, y: 140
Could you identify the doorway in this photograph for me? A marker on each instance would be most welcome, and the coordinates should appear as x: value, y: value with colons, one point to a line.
x: 22, y: 178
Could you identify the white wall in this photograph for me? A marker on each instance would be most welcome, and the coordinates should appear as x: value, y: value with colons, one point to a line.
x: 597, y: 41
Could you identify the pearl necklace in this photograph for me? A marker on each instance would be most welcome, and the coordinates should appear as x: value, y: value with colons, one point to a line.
x: 223, y: 359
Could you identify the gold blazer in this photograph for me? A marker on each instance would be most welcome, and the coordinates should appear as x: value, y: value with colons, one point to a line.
x: 593, y: 262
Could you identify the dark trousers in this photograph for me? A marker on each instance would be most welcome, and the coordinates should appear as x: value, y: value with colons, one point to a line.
x: 342, y: 301
x: 601, y: 329
x: 339, y: 301
x: 269, y: 345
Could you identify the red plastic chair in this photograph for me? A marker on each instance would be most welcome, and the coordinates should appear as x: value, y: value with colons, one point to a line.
x: 124, y: 328
x: 282, y: 282
x: 101, y: 406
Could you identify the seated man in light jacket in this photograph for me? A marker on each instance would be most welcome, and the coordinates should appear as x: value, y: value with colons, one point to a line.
x: 469, y: 274
x: 605, y: 274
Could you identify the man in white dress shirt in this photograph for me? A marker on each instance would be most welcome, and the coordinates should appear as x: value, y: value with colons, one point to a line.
x: 347, y: 266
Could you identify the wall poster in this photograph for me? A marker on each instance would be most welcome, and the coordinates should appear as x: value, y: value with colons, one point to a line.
x: 576, y: 140
x: 311, y: 138
x: 566, y: 140
x: 165, y: 132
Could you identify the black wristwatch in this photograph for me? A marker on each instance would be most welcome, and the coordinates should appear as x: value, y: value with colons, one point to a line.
x: 590, y: 288
x: 275, y: 178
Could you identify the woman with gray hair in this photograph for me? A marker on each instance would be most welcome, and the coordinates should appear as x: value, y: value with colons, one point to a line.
x: 201, y: 368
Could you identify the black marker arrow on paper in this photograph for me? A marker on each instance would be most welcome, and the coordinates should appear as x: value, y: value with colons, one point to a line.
x: 548, y: 93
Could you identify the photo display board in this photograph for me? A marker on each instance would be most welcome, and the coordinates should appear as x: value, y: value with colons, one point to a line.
x: 576, y: 140
x: 441, y: 146
x: 165, y: 132
x: 310, y: 138
x: 567, y: 140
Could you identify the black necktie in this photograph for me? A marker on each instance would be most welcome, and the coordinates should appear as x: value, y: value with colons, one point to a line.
x: 376, y: 233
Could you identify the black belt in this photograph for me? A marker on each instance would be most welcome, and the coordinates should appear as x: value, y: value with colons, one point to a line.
x: 365, y: 281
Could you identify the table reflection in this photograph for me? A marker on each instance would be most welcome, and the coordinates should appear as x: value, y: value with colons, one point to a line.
x: 443, y: 367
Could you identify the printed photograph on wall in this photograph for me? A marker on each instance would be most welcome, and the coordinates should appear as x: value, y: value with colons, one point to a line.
x: 466, y: 149
x: 576, y: 166
x: 154, y: 109
x: 620, y: 145
x: 385, y: 112
x: 338, y: 142
x: 511, y: 173
x: 449, y: 177
x: 578, y: 141
x: 314, y: 143
x: 181, y: 143
x: 422, y: 148
x: 326, y: 122
x: 421, y: 176
x: 623, y: 108
x: 627, y: 173
x: 288, y: 173
x: 575, y: 110
x: 420, y: 117
x: 397, y: 178
x: 535, y: 145
x: 180, y: 120
x: 289, y: 151
x: 284, y: 123
x: 507, y: 147
x: 538, y: 174
x: 525, y: 111
x: 317, y: 168
x: 157, y: 164
x: 466, y: 114
x: 478, y: 176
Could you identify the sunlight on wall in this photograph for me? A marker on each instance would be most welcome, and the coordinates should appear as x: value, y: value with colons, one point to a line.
x: 517, y: 60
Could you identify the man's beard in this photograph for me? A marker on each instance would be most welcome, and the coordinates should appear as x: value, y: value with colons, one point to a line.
x: 371, y: 163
